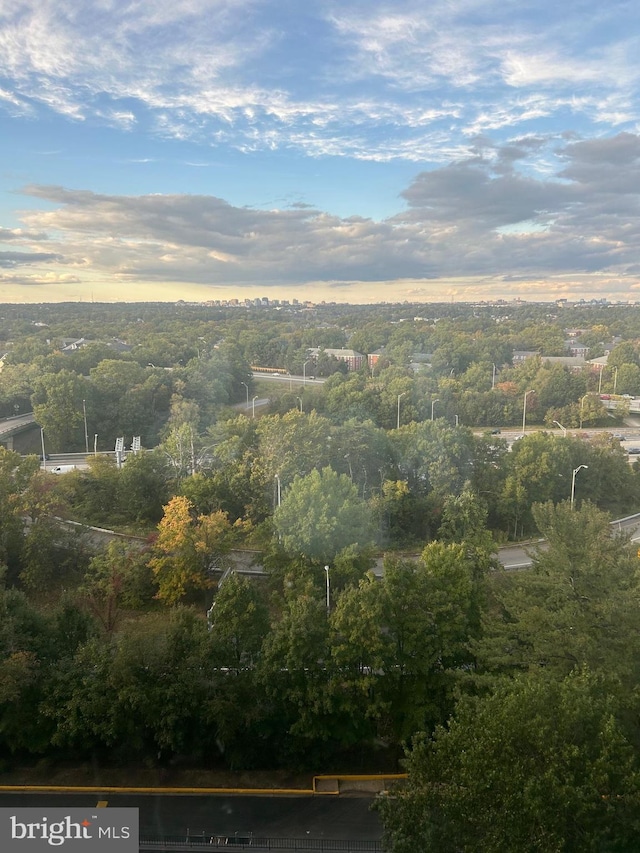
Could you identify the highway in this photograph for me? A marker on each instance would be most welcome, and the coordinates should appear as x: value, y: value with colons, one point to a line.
x: 514, y: 557
x: 286, y: 377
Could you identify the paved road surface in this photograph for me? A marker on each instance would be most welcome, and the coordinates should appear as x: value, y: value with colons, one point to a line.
x: 303, y: 817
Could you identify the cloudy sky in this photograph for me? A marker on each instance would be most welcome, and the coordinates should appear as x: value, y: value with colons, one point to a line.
x: 347, y: 150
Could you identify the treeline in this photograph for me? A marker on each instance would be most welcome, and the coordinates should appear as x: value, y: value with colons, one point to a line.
x: 144, y: 370
x: 542, y: 750
x: 402, y: 477
x: 524, y: 685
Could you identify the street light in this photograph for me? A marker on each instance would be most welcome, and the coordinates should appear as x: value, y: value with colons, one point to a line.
x: 457, y: 420
x: 493, y: 377
x: 304, y: 371
x: 44, y: 455
x: 247, y: 387
x: 573, y: 481
x: 278, y: 492
x: 433, y: 403
x: 253, y: 406
x: 524, y: 408
x: 299, y: 399
x: 615, y: 379
x: 564, y: 429
x: 600, y: 379
x: 398, y: 418
x: 86, y: 434
x: 326, y: 569
x: 582, y: 399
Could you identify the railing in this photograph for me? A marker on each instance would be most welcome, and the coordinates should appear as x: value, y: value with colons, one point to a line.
x: 245, y: 841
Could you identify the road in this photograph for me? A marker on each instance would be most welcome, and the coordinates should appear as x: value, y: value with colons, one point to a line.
x: 286, y: 377
x: 514, y: 557
x: 330, y: 818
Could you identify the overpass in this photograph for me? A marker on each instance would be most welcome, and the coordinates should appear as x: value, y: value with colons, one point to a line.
x: 613, y: 402
x: 10, y: 427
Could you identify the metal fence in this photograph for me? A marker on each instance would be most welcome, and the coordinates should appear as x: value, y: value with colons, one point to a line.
x: 238, y: 841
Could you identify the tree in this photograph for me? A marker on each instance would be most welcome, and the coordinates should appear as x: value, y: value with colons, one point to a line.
x: 293, y: 675
x: 540, y: 765
x: 577, y: 606
x: 238, y: 623
x: 187, y: 548
x: 623, y: 353
x: 57, y: 407
x: 115, y: 579
x: 321, y: 514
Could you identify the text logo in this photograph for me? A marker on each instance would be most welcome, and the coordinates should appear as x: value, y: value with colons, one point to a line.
x: 32, y: 830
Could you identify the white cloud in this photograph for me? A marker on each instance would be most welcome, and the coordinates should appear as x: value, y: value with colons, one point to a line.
x: 478, y: 216
x: 365, y: 80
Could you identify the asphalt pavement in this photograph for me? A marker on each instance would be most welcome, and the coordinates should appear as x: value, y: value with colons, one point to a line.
x: 297, y: 817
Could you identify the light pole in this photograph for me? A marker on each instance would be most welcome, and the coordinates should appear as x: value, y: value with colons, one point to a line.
x: 524, y: 408
x: 582, y: 399
x: 615, y: 379
x: 573, y: 481
x: 278, y: 493
x: 247, y: 387
x: 433, y: 403
x: 326, y: 569
x: 457, y: 420
x: 398, y: 418
x: 86, y: 434
x: 493, y: 377
x: 600, y: 379
x: 95, y: 444
x: 299, y: 399
x: 44, y: 455
x: 564, y: 429
x: 253, y: 406
x: 304, y: 371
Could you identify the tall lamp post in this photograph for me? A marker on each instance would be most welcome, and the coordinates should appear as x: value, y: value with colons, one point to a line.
x: 44, y: 455
x: 582, y: 399
x: 573, y: 481
x: 247, y: 387
x: 304, y: 371
x: 398, y: 418
x: 493, y: 377
x: 433, y: 403
x: 253, y: 406
x: 564, y: 429
x: 524, y: 408
x: 86, y: 434
x: 615, y: 379
x: 326, y: 570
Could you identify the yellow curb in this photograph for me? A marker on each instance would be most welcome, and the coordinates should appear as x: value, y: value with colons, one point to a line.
x: 109, y: 789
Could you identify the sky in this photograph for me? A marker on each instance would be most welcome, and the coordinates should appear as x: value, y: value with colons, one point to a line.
x: 340, y: 150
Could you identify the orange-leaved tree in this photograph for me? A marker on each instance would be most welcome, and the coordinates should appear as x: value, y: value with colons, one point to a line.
x: 188, y: 548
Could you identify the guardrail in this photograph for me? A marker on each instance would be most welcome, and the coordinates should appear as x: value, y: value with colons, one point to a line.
x: 248, y: 841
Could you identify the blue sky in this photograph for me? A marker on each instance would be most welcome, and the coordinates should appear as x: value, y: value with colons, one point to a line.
x: 349, y: 151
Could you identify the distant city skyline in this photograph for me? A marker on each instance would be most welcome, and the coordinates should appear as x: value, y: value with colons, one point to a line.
x: 350, y: 152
